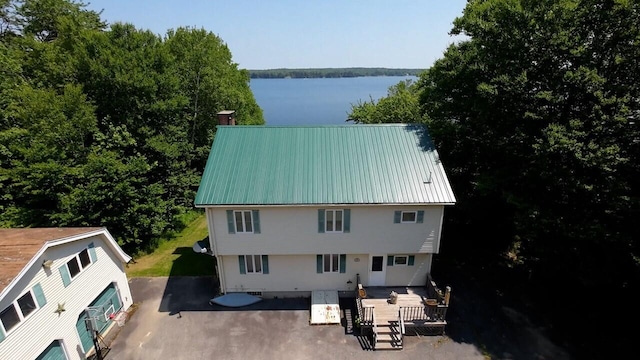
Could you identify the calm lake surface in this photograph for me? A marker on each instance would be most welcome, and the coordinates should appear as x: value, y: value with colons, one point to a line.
x: 317, y: 101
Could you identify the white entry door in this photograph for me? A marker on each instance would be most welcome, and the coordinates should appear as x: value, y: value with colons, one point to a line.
x: 377, y: 270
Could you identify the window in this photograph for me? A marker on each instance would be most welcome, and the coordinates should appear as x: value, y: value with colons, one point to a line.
x: 334, y: 220
x: 253, y: 264
x: 74, y: 266
x: 9, y: 317
x: 408, y: 216
x: 20, y: 309
x: 78, y: 263
x: 244, y: 221
x: 401, y: 260
x: 332, y: 263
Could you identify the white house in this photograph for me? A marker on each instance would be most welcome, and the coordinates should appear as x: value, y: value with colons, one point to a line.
x: 293, y: 209
x: 48, y: 278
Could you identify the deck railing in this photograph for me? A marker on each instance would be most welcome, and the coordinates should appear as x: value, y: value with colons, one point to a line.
x: 375, y: 328
x: 401, y: 323
x: 423, y: 313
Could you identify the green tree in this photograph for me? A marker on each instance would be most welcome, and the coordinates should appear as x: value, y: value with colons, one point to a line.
x: 399, y: 106
x: 535, y: 116
x: 107, y: 127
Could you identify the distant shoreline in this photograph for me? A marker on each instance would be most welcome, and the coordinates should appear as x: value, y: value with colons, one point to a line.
x: 310, y: 73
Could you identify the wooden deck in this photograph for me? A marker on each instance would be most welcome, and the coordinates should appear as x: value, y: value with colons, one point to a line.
x: 386, y: 312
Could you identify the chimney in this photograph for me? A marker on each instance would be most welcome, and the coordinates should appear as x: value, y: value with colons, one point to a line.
x: 227, y: 117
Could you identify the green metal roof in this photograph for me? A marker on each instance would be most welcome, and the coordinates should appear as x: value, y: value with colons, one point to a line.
x: 346, y: 164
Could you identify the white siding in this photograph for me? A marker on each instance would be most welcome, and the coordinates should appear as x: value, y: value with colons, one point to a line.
x: 33, y: 335
x: 409, y: 275
x: 293, y: 273
x: 294, y: 230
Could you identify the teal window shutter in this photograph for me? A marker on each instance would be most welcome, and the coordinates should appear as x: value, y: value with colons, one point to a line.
x: 347, y: 221
x: 92, y: 253
x: 243, y: 268
x: 64, y: 272
x: 343, y: 263
x: 37, y: 291
x: 320, y: 220
x: 265, y: 264
x: 420, y: 216
x: 319, y: 264
x: 1, y: 335
x: 230, y: 222
x: 396, y: 217
x: 256, y: 221
x: 390, y: 260
x: 412, y: 260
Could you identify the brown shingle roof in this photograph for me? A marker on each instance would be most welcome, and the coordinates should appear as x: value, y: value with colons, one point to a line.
x: 18, y: 246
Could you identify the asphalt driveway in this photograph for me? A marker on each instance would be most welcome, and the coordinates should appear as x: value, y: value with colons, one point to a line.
x: 174, y: 321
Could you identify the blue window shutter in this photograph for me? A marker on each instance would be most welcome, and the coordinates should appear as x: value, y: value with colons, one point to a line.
x: 243, y: 269
x: 256, y: 221
x: 37, y: 291
x: 396, y: 217
x: 347, y: 221
x: 390, y: 260
x: 319, y: 264
x: 412, y: 260
x: 343, y: 263
x: 320, y: 220
x: 230, y: 222
x: 420, y: 216
x: 64, y: 272
x: 1, y: 335
x: 92, y: 253
x: 265, y: 264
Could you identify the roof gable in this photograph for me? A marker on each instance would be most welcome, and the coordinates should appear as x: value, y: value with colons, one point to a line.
x: 350, y: 164
x: 19, y: 248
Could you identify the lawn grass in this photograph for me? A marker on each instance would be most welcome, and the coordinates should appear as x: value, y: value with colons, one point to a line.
x: 175, y: 256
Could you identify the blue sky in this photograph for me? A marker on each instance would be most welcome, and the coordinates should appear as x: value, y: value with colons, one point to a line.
x: 305, y: 34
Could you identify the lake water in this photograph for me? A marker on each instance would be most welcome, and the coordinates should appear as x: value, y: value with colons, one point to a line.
x: 317, y: 101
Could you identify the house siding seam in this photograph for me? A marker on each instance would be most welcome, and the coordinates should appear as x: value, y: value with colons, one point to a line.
x: 44, y: 326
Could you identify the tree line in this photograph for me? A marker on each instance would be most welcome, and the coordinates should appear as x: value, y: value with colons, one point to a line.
x: 107, y: 126
x: 330, y: 73
x: 535, y: 116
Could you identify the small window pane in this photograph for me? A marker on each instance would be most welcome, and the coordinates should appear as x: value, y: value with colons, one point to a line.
x: 239, y: 227
x: 85, y: 260
x: 338, y: 220
x: 330, y: 220
x: 258, y: 262
x: 327, y: 262
x: 334, y: 261
x: 9, y: 317
x: 409, y: 216
x: 247, y: 221
x: 74, y: 268
x: 26, y: 304
x: 249, y: 263
x: 400, y: 260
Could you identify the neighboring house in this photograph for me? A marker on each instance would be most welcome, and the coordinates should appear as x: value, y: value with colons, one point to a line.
x: 292, y: 209
x: 48, y: 278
